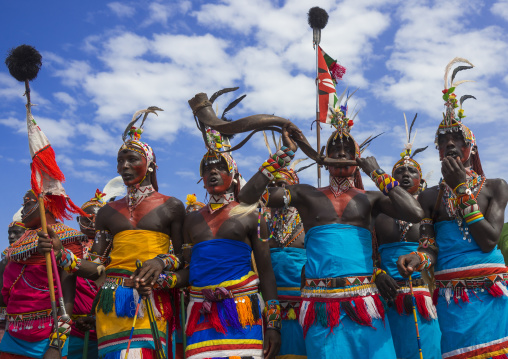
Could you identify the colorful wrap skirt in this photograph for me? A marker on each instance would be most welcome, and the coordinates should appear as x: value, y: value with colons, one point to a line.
x: 346, y: 322
x: 225, y: 308
x: 116, y: 303
x: 287, y: 266
x: 471, y: 295
x: 400, y: 315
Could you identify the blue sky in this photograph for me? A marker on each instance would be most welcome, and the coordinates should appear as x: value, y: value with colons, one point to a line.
x: 102, y: 61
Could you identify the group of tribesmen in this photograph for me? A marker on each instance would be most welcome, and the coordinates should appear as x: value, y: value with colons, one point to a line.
x: 270, y: 267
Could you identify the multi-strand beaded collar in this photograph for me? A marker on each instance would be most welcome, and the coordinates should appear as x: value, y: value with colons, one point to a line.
x: 219, y: 201
x: 475, y: 183
x: 340, y: 185
x: 136, y: 194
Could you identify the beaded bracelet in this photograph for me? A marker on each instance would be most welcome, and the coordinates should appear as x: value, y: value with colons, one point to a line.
x: 273, y: 315
x: 425, y: 261
x: 284, y: 156
x: 167, y: 281
x: 57, y: 339
x: 428, y: 242
x: 67, y: 260
x: 170, y: 261
x: 279, y: 159
x: 383, y: 181
x: 376, y: 273
x: 473, y: 217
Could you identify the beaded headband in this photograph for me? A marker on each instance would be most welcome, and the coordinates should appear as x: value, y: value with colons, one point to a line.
x: 97, y: 200
x: 17, y: 224
x: 453, y: 122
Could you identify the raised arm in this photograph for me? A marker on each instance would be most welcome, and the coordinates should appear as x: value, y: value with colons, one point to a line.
x: 486, y: 232
x: 393, y: 201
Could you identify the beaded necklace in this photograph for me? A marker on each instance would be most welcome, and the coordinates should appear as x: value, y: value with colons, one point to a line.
x: 340, y: 185
x: 219, y: 201
x: 475, y: 183
x: 404, y: 226
x: 136, y: 194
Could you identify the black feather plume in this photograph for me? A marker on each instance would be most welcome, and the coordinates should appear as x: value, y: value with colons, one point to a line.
x: 465, y: 97
x: 459, y: 68
x: 24, y: 62
x: 418, y: 150
x: 367, y: 142
x: 222, y: 92
x: 411, y: 127
x: 317, y: 18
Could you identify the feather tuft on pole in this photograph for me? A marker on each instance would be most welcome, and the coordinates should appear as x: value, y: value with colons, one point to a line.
x: 24, y: 63
x: 317, y: 18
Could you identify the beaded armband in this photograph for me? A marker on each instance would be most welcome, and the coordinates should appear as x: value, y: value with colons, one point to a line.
x: 280, y: 159
x: 57, y: 339
x: 383, y: 181
x: 425, y: 261
x: 426, y: 221
x: 376, y: 273
x: 469, y: 209
x: 167, y: 281
x: 67, y: 260
x: 171, y: 262
x: 98, y: 259
x: 273, y: 315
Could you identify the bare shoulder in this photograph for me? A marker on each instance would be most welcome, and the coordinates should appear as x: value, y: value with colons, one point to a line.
x: 428, y: 197
x: 498, y: 188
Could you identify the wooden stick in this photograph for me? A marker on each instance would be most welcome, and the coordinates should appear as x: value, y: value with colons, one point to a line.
x: 49, y: 270
x: 416, y: 318
x: 132, y: 329
x: 85, y: 344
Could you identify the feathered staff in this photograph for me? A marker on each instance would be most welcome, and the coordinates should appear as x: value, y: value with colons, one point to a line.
x: 24, y: 63
x: 317, y: 19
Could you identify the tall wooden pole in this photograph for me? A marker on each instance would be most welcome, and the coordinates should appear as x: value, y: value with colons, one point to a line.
x: 317, y: 38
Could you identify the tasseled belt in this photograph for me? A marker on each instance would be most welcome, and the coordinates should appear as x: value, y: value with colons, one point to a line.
x: 222, y: 309
x: 404, y: 302
x: 494, y: 284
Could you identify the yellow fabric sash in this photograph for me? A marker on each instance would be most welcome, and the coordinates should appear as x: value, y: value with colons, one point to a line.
x: 130, y: 245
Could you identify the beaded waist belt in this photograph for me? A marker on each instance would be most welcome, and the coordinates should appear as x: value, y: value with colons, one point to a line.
x: 484, y: 282
x: 221, y: 293
x: 338, y: 282
x: 418, y: 282
x: 29, y: 316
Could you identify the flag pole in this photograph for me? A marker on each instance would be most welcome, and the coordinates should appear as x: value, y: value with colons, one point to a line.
x: 49, y: 269
x: 318, y: 125
x: 317, y: 19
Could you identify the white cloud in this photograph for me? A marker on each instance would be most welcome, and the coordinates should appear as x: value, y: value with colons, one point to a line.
x: 121, y: 10
x: 158, y: 13
x: 500, y: 8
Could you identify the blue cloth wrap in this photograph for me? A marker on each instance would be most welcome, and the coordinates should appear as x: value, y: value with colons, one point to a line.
x: 390, y: 253
x: 338, y: 250
x: 455, y: 252
x: 287, y: 266
x: 404, y: 335
x: 485, y: 315
x: 350, y: 340
x: 21, y: 347
x: 219, y: 260
x: 76, y: 348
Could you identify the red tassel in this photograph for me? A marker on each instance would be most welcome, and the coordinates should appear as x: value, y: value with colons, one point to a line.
x: 465, y: 296
x: 214, y: 319
x: 495, y: 291
x: 361, y: 311
x: 193, y: 318
x: 455, y: 299
x: 333, y: 312
x: 379, y: 305
x: 309, y: 319
x: 435, y: 296
x: 399, y: 303
x: 44, y: 162
x: 422, y: 307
